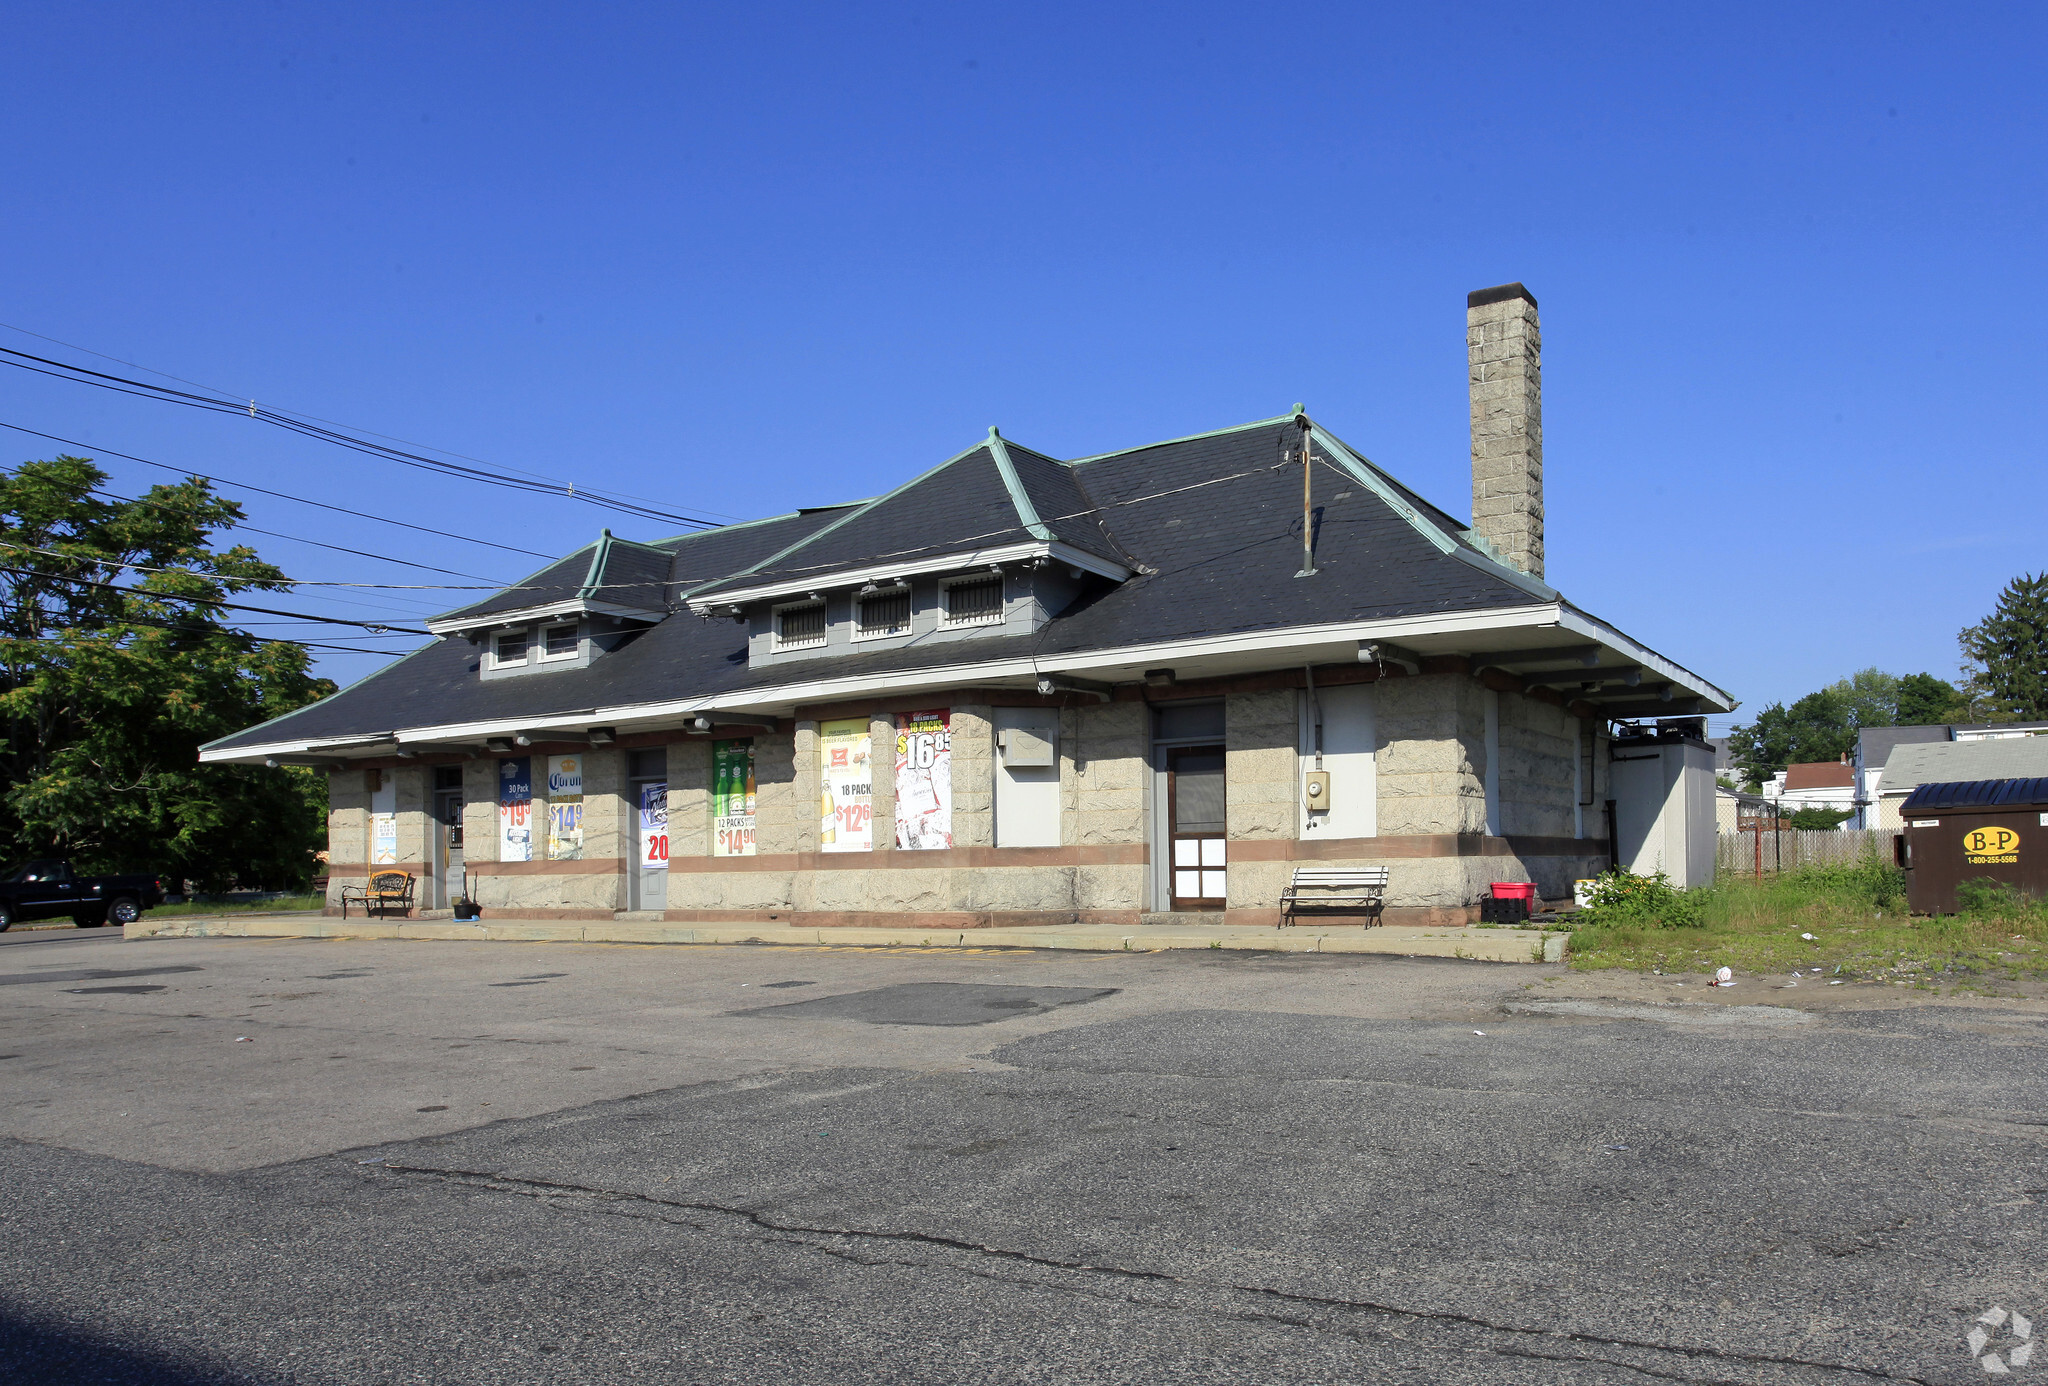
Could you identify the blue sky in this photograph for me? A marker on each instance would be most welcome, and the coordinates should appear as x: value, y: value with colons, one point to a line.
x: 740, y: 258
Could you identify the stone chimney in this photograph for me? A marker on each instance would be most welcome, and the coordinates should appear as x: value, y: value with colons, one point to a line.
x: 1505, y: 351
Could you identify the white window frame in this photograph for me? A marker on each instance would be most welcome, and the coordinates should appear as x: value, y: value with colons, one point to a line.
x: 538, y: 650
x: 901, y: 589
x: 948, y: 621
x: 775, y: 626
x: 499, y: 662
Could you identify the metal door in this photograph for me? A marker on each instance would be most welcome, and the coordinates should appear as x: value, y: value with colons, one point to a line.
x: 649, y: 878
x: 449, y: 882
x: 1195, y: 827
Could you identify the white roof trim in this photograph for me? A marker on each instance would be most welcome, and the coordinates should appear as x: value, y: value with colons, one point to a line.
x: 1281, y: 643
x: 883, y: 569
x: 1579, y: 623
x: 527, y: 615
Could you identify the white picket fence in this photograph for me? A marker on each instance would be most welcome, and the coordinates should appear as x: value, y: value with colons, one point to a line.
x: 1791, y: 847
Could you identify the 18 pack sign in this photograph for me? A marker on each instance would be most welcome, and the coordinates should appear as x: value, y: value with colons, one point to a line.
x: 924, y: 780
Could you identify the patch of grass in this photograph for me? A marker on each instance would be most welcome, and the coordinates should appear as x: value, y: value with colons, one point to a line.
x: 280, y: 904
x: 1856, y: 914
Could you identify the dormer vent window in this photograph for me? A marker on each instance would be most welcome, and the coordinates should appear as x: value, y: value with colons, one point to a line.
x: 799, y: 625
x: 560, y: 642
x: 881, y: 613
x: 509, y: 648
x: 974, y: 601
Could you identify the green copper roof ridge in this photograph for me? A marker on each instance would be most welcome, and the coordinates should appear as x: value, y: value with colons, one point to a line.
x: 861, y: 510
x: 521, y: 582
x: 594, y: 578
x: 1370, y: 476
x: 1014, y: 484
x: 1166, y: 442
x: 1408, y: 493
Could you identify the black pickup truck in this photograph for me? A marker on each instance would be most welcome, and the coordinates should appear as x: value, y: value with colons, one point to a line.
x: 46, y: 889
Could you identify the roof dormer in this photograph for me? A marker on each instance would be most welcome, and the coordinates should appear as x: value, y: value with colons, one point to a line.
x: 612, y: 583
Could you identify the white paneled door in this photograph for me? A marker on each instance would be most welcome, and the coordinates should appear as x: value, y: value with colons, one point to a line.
x: 1195, y: 802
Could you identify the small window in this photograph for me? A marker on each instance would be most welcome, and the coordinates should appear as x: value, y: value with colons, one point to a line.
x: 974, y: 601
x: 560, y: 642
x: 882, y: 613
x: 510, y: 647
x: 648, y: 765
x: 447, y: 777
x: 800, y: 625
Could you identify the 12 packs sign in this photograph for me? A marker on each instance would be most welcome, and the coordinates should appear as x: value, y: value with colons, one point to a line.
x: 732, y: 798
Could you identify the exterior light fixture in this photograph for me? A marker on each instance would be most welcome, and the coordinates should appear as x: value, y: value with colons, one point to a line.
x: 1159, y: 678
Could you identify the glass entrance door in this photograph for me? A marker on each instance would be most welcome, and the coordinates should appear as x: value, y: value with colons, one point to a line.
x: 1195, y: 808
x: 447, y: 829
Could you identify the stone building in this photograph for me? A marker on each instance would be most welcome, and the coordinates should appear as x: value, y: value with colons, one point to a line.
x: 1020, y: 690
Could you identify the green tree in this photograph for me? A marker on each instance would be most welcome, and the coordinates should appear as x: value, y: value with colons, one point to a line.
x: 2005, y: 655
x: 1869, y: 697
x: 1820, y: 726
x: 114, y: 669
x: 1926, y: 701
x: 1818, y: 817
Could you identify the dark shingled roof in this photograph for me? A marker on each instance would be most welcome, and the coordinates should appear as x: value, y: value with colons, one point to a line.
x: 1211, y: 525
x: 616, y: 571
x: 963, y: 503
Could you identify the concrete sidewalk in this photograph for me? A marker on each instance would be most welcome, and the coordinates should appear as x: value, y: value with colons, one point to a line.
x: 1485, y: 945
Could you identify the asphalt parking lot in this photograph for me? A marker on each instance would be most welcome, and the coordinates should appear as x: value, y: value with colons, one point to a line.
x: 236, y: 1160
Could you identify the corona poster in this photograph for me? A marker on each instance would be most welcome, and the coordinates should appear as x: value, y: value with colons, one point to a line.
x: 565, y: 808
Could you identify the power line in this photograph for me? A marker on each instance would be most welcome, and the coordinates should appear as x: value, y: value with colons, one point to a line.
x: 375, y: 627
x: 285, y: 582
x: 197, y: 385
x: 487, y: 474
x: 240, y: 634
x: 281, y: 495
x: 301, y: 539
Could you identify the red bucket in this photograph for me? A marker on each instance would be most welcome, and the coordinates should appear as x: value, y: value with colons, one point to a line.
x: 1515, y: 890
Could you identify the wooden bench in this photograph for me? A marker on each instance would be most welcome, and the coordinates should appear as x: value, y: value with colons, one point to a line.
x: 384, y: 892
x: 1354, y: 889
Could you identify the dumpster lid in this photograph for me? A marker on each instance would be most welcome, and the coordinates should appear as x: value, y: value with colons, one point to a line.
x: 1975, y: 795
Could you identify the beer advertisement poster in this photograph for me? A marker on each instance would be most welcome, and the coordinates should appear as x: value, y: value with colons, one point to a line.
x: 565, y: 808
x: 732, y: 798
x: 846, y: 773
x: 924, y: 780
x: 515, y: 809
x: 654, y: 826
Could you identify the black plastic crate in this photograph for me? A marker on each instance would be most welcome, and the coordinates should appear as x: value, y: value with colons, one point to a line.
x: 1492, y: 911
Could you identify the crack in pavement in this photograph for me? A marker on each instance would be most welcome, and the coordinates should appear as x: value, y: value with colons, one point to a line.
x: 553, y: 1191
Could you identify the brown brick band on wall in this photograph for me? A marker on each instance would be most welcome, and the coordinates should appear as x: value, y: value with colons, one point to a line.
x: 1414, y: 845
x: 1116, y: 854
x: 931, y: 920
x: 590, y: 866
